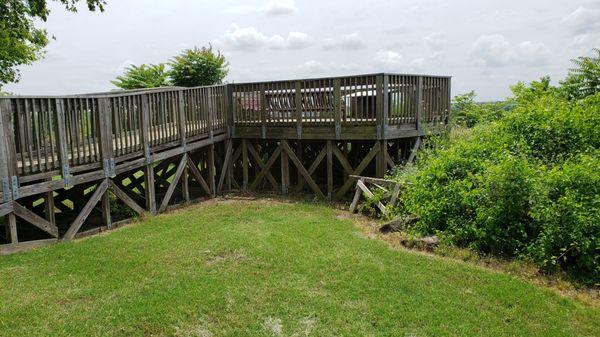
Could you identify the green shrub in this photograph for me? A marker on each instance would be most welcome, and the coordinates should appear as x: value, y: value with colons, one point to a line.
x: 466, y: 112
x: 524, y: 184
x: 584, y: 79
x: 568, y: 215
x: 197, y: 67
x: 144, y: 76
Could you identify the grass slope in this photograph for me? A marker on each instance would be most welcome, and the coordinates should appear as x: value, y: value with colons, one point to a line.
x: 254, y: 268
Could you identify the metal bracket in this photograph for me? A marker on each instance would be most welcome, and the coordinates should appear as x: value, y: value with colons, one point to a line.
x: 5, y: 189
x: 299, y: 131
x: 15, y: 187
x: 148, y: 156
x: 378, y: 131
x: 106, y: 168
x: 210, y: 135
x: 113, y: 169
x: 67, y: 176
x: 338, y: 132
x: 263, y: 131
x: 231, y: 130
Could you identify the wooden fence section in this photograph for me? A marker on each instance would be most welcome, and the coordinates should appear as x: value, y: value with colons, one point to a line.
x: 375, y: 106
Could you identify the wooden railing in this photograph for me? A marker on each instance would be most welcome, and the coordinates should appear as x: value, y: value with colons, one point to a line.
x: 46, y: 138
x: 379, y: 99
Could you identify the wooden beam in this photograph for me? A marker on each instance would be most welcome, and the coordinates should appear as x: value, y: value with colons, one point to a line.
x: 267, y: 167
x: 225, y: 167
x: 285, y: 169
x: 313, y: 167
x: 363, y: 164
x: 301, y: 169
x: 35, y: 219
x: 198, y: 176
x: 212, y: 169
x: 361, y: 185
x: 149, y: 190
x: 258, y: 160
x: 413, y: 152
x: 244, y: 165
x: 119, y: 193
x: 329, y: 169
x: 171, y: 189
x: 87, y: 209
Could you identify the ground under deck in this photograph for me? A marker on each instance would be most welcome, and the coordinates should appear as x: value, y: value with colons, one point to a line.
x: 64, y: 161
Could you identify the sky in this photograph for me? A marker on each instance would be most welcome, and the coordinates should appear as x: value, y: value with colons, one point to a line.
x: 484, y: 45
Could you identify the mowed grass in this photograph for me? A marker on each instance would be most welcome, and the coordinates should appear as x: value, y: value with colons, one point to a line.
x: 266, y: 268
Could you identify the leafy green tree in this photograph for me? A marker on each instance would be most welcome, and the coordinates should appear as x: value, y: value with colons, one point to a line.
x: 144, y: 76
x: 198, y: 66
x: 584, y: 79
x: 20, y: 41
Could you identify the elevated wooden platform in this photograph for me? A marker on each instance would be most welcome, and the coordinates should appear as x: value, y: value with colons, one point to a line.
x: 65, y: 160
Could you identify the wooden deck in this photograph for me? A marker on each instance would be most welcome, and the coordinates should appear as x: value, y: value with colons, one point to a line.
x: 240, y: 135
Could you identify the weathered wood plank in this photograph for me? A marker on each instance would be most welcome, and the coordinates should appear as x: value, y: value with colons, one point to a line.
x: 173, y: 184
x: 34, y: 219
x: 87, y: 209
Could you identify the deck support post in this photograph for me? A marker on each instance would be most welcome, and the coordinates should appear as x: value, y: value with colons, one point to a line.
x: 285, y: 172
x: 329, y: 170
x: 244, y: 165
x: 211, y: 169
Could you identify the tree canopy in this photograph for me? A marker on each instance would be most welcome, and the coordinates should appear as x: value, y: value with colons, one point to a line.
x: 198, y: 66
x: 144, y: 76
x: 21, y: 42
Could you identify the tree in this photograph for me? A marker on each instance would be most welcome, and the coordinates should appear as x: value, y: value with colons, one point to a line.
x: 144, y: 76
x: 20, y: 41
x: 196, y: 67
x: 584, y: 79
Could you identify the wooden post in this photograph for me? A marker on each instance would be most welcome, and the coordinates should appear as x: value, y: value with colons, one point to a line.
x: 63, y: 156
x: 419, y: 103
x: 379, y: 105
x: 8, y: 165
x: 285, y: 172
x: 149, y: 191
x: 211, y: 169
x: 106, y: 151
x: 385, y: 106
x: 245, y: 164
x: 329, y: 170
x: 263, y: 110
x: 337, y: 111
x: 298, y: 111
x: 299, y: 154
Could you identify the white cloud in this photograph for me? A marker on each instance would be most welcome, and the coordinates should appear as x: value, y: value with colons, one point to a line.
x: 351, y: 41
x: 312, y: 67
x: 583, y: 20
x: 492, y: 50
x: 436, y: 41
x: 249, y: 38
x: 389, y: 60
x: 245, y: 38
x: 280, y: 7
x: 533, y: 52
x: 496, y: 51
x: 298, y: 40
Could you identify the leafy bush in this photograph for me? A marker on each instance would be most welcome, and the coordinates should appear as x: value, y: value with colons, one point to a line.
x: 584, y: 79
x: 525, y: 182
x: 197, y: 67
x: 144, y: 76
x: 466, y: 112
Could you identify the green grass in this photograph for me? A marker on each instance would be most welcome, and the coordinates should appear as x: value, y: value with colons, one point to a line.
x: 257, y: 268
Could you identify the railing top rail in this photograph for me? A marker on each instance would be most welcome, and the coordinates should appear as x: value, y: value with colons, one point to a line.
x: 109, y: 94
x: 337, y: 77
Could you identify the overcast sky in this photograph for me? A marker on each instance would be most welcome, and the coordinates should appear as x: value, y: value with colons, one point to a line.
x: 485, y: 45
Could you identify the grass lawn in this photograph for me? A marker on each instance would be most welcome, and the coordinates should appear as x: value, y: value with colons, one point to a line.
x: 267, y: 268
